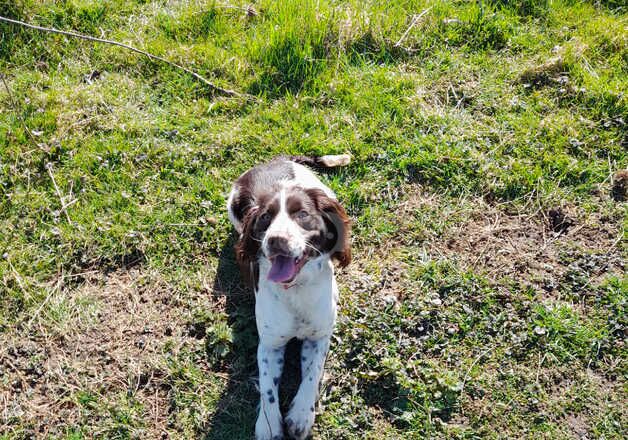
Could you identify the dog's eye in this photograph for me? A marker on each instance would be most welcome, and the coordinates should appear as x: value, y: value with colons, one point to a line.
x: 264, y: 218
x: 303, y: 214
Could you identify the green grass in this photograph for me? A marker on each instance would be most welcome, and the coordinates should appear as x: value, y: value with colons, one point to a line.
x: 465, y: 314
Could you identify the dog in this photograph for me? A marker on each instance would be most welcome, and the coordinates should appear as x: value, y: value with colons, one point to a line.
x: 291, y: 230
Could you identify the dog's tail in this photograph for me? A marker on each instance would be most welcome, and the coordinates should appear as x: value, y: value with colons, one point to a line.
x: 328, y: 161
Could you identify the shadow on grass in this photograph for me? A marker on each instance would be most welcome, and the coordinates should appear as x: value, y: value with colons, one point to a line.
x: 236, y: 411
x: 236, y: 407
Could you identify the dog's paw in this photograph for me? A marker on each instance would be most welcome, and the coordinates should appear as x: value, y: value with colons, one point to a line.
x: 299, y: 421
x: 268, y: 427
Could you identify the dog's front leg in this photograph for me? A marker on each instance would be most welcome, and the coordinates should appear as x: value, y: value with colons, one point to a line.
x: 270, y: 364
x: 300, y: 418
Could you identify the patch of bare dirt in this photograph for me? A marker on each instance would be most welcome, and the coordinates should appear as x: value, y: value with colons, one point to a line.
x: 536, y: 249
x: 110, y: 346
x: 541, y: 248
x: 581, y: 423
x: 619, y: 191
x: 544, y: 249
x: 578, y: 425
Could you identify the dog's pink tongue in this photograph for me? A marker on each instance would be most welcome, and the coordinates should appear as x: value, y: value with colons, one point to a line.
x: 282, y: 269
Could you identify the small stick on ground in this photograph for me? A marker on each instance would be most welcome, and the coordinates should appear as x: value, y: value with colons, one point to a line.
x: 538, y: 369
x: 205, y: 81
x: 18, y: 278
x: 54, y: 183
x: 415, y: 20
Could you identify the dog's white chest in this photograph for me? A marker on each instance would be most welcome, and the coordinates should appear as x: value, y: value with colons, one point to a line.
x: 306, y: 310
x: 313, y: 319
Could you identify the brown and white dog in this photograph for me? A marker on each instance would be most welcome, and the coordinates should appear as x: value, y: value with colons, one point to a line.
x: 291, y: 230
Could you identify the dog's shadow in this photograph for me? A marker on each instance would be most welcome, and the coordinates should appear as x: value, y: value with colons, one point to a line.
x: 236, y: 411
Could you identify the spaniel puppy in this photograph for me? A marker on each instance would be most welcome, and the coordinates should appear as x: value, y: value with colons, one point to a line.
x: 291, y: 230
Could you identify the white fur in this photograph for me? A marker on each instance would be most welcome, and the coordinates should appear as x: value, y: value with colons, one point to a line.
x: 234, y: 221
x: 307, y: 179
x: 286, y: 227
x: 336, y: 160
x: 305, y: 309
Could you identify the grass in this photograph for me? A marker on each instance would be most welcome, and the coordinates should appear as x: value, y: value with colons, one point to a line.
x: 487, y: 298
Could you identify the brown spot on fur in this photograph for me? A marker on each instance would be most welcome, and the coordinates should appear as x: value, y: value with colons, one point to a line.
x: 338, y: 238
x: 258, y: 183
x: 303, y: 210
x: 255, y: 223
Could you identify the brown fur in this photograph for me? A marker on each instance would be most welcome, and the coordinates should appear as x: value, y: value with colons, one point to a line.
x: 336, y: 218
x: 333, y: 219
x: 246, y: 249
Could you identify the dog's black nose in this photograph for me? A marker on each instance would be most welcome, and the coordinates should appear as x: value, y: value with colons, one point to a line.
x: 278, y: 246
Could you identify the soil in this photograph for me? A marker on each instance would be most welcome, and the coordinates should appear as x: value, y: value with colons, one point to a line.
x: 533, y: 249
x: 111, y: 344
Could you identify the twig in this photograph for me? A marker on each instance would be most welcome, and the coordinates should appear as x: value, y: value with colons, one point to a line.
x: 205, y: 81
x: 415, y: 20
x: 538, y: 369
x: 18, y: 278
x: 54, y: 183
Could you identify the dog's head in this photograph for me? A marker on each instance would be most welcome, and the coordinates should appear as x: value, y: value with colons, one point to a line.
x: 291, y: 227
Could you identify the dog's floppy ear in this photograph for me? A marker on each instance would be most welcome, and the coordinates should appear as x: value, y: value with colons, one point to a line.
x: 338, y: 238
x: 248, y: 245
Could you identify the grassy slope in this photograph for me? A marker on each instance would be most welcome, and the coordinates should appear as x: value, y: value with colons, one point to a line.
x: 488, y: 111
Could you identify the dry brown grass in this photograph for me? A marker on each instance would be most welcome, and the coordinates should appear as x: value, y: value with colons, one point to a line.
x: 111, y: 345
